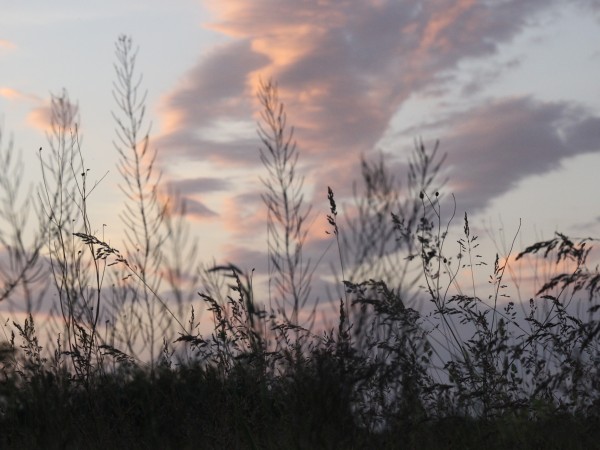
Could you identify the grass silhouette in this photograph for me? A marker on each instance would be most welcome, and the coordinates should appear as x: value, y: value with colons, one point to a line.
x: 414, y: 361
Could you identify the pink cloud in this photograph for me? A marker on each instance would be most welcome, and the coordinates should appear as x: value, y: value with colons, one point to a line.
x: 16, y: 95
x: 7, y: 45
x: 344, y: 69
x: 42, y: 118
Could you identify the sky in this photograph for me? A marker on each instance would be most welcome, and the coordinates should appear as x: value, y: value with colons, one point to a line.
x: 509, y: 88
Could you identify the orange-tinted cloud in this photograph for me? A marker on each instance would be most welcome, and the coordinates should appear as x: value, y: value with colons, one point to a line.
x: 344, y: 69
x: 441, y: 21
x: 59, y: 112
x: 10, y: 94
x: 7, y: 45
x: 16, y: 95
x: 40, y: 118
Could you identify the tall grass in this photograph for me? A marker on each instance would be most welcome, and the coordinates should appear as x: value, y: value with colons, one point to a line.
x: 290, y: 273
x: 417, y: 359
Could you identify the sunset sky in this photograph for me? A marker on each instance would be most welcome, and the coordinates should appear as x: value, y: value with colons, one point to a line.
x: 510, y: 88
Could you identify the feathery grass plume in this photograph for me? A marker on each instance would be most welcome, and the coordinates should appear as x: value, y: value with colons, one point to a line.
x: 76, y: 273
x: 568, y: 341
x: 383, y: 230
x: 380, y: 239
x: 136, y: 310
x: 287, y: 214
x: 344, y: 323
x: 22, y: 277
x: 465, y: 371
x: 34, y: 362
x: 181, y: 255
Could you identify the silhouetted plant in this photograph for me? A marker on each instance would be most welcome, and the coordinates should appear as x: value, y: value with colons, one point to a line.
x: 420, y: 359
x: 77, y: 275
x: 22, y: 271
x: 289, y: 273
x: 382, y: 230
x: 136, y: 310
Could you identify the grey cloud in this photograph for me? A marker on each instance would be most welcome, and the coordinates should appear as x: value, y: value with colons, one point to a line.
x: 252, y: 199
x: 584, y: 135
x: 198, y: 209
x: 495, y: 146
x: 247, y: 260
x: 215, y: 89
x: 484, y: 78
x: 186, y: 145
x: 216, y: 86
x: 592, y: 5
x: 198, y: 185
x: 350, y: 68
x: 364, y: 60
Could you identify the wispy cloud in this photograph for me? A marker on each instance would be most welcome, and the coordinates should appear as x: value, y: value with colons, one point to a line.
x: 494, y: 146
x: 17, y: 95
x: 190, y: 188
x: 345, y: 69
x: 198, y: 185
x: 59, y: 110
x: 7, y: 45
x: 214, y: 92
x: 198, y: 210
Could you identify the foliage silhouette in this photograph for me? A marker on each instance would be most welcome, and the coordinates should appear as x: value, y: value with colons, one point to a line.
x: 413, y: 359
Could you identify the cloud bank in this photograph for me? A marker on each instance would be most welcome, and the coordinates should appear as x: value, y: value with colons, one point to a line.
x: 344, y: 69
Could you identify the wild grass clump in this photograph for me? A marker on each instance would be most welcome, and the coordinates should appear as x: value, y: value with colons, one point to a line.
x: 417, y: 356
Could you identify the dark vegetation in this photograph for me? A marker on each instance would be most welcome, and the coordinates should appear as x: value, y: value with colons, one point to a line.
x: 414, y: 360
